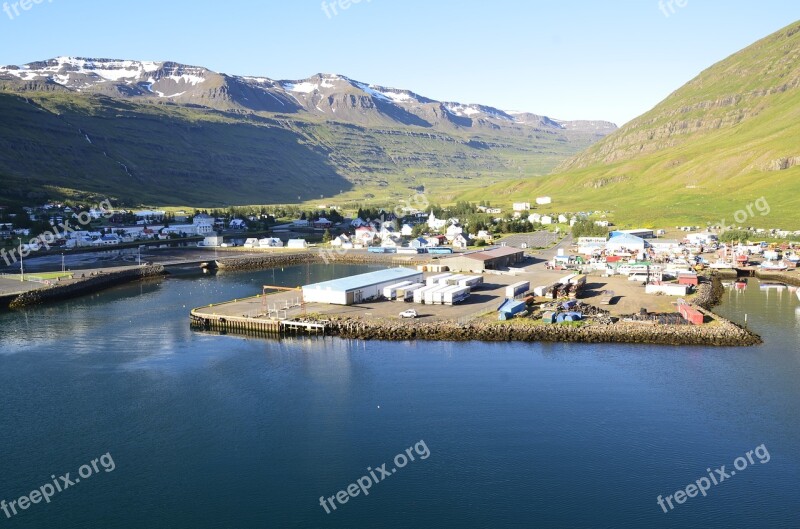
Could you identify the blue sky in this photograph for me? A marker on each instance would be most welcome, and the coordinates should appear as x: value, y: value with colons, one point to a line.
x: 567, y: 59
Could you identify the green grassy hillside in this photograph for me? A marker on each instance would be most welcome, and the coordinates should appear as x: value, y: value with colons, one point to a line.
x: 59, y: 143
x: 725, y: 139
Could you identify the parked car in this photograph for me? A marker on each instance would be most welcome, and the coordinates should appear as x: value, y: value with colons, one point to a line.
x: 410, y: 313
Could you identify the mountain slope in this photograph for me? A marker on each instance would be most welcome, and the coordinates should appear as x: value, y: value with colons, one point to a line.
x: 165, y: 133
x: 712, y: 147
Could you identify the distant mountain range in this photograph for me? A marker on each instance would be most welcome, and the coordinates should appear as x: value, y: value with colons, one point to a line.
x: 167, y: 133
x: 716, y: 145
x: 330, y: 96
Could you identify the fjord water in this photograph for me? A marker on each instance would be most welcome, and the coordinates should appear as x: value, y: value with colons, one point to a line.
x: 211, y: 431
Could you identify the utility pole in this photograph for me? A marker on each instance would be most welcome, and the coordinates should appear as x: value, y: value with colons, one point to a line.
x: 63, y: 267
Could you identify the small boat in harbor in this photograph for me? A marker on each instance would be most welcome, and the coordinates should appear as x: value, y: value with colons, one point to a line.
x: 774, y: 266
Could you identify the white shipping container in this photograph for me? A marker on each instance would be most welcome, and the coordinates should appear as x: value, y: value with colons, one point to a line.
x: 456, y: 295
x: 419, y: 294
x: 428, y: 297
x: 432, y: 280
x: 452, y: 280
x: 516, y: 289
x: 407, y: 292
x: 471, y: 281
x: 390, y: 292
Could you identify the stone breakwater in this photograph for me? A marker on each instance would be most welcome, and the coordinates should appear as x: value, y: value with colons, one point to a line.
x: 724, y: 333
x: 783, y: 277
x: 709, y: 293
x: 261, y: 262
x: 85, y: 286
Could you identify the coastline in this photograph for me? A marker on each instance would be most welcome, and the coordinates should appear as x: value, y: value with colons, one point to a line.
x: 83, y: 286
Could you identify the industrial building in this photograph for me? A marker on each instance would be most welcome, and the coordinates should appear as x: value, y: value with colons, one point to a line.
x: 478, y: 262
x: 359, y: 288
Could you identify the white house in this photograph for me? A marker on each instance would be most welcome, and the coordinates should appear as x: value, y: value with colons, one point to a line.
x: 521, y: 206
x: 340, y: 241
x: 546, y: 219
x: 534, y: 218
x: 270, y: 242
x: 562, y: 219
x: 460, y: 242
x: 453, y: 231
x: 407, y: 230
x: 237, y: 224
x: 202, y: 218
x: 107, y: 240
x: 419, y: 242
x: 544, y: 201
x: 365, y: 235
x: 297, y: 243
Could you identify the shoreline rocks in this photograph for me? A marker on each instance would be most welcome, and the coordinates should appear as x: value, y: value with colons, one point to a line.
x: 81, y: 287
x: 723, y: 334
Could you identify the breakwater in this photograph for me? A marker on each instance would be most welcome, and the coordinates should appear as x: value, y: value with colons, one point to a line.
x: 709, y: 293
x: 84, y: 286
x: 783, y: 277
x: 722, y: 333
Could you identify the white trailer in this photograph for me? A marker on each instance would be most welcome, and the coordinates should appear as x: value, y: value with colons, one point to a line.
x: 390, y: 292
x: 407, y: 293
x: 438, y: 295
x: 428, y: 296
x: 471, y: 281
x: 517, y: 289
x: 452, y: 280
x: 433, y: 280
x: 456, y: 295
x: 419, y: 294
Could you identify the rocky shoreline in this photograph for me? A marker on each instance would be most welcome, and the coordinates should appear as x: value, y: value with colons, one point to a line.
x: 722, y: 334
x: 84, y: 286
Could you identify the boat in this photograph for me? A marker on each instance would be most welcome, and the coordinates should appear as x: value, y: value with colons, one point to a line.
x: 774, y: 266
x: 721, y: 265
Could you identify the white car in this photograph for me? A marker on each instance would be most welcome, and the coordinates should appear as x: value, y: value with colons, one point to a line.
x: 410, y: 313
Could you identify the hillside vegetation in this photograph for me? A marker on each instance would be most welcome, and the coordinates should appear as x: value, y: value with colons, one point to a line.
x: 725, y: 139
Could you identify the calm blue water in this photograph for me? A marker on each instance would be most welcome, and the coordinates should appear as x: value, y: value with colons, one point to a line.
x: 226, y: 432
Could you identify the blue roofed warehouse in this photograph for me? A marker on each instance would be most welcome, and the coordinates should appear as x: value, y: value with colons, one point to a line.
x: 359, y: 288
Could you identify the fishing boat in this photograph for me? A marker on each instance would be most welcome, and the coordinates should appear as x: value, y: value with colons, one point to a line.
x: 774, y: 266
